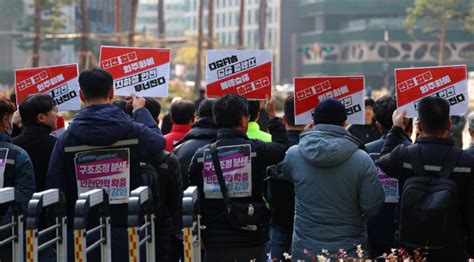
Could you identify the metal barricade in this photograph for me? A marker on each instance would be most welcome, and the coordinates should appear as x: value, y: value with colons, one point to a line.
x: 140, y: 204
x: 8, y: 196
x: 191, y: 225
x: 49, y: 198
x: 94, y: 199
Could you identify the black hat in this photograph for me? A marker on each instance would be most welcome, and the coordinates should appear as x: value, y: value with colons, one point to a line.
x: 329, y: 111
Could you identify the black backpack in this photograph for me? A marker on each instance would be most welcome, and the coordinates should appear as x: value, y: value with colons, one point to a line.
x: 429, y: 207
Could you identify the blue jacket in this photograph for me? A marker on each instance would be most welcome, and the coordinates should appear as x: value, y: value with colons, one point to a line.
x: 336, y: 189
x: 23, y: 176
x: 100, y: 125
x: 381, y: 228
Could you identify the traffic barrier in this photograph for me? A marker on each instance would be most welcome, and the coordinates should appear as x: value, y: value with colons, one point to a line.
x: 94, y: 199
x: 40, y: 201
x: 191, y: 225
x: 9, y: 196
x: 140, y: 204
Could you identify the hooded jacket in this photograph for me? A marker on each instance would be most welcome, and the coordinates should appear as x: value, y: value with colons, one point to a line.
x: 336, y: 189
x: 203, y: 131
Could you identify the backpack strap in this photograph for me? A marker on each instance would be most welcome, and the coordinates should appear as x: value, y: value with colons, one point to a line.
x: 450, y: 162
x: 417, y: 162
x: 220, y: 176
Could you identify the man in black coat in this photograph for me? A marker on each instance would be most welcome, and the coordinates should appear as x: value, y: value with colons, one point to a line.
x: 203, y: 131
x: 39, y: 115
x: 243, y: 163
x: 434, y: 148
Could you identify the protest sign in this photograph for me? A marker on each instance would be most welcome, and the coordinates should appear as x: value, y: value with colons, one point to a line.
x: 139, y: 71
x: 448, y: 82
x: 309, y: 91
x: 3, y: 165
x: 243, y: 72
x: 108, y: 169
x: 60, y: 82
x: 236, y: 165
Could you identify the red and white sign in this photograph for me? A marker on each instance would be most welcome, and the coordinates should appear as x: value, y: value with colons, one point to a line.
x: 60, y: 82
x: 242, y: 72
x: 309, y: 91
x: 448, y: 82
x: 139, y: 71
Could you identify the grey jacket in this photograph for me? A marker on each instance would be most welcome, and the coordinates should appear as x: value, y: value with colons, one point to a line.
x: 336, y: 190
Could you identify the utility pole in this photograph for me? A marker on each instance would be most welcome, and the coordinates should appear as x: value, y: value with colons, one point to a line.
x: 210, y: 30
x: 197, y: 84
x: 262, y: 23
x: 241, y: 24
x: 37, y: 39
x: 84, y: 36
x: 386, y: 38
x: 133, y: 19
x: 118, y: 19
x: 161, y: 22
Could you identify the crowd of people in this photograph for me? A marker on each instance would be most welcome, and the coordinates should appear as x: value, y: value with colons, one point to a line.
x: 268, y: 188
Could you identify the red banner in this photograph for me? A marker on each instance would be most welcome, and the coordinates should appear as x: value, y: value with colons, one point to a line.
x: 242, y: 72
x: 60, y: 82
x: 309, y: 91
x: 141, y: 71
x: 449, y: 82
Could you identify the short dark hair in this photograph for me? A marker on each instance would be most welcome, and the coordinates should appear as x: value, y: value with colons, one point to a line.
x: 205, y: 108
x: 383, y: 109
x: 122, y: 104
x: 182, y: 111
x: 433, y: 112
x: 95, y: 83
x: 254, y: 109
x: 289, y: 110
x: 229, y: 109
x: 6, y: 107
x: 153, y: 107
x: 33, y: 105
x: 369, y: 102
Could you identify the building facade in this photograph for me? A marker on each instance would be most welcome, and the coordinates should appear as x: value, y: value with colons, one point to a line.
x: 175, y: 22
x: 368, y: 37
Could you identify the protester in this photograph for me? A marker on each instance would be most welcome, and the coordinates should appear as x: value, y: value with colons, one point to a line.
x: 458, y: 124
x: 336, y: 186
x: 202, y: 96
x: 470, y: 122
x: 39, y: 115
x: 103, y: 126
x: 17, y: 124
x: 254, y: 131
x: 243, y: 161
x: 16, y: 171
x: 263, y: 117
x: 203, y: 132
x: 368, y: 132
x: 381, y: 228
x: 430, y: 216
x: 282, y: 194
x: 166, y: 124
x: 182, y: 115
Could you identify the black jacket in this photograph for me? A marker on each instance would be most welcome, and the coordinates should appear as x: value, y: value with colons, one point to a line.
x: 394, y: 162
x: 283, y: 196
x: 365, y: 133
x: 202, y: 133
x: 38, y: 143
x: 218, y: 232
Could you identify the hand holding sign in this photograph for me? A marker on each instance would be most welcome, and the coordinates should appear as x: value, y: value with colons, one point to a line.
x: 398, y: 118
x: 270, y: 106
x: 136, y: 102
